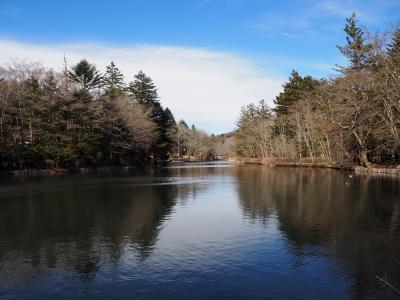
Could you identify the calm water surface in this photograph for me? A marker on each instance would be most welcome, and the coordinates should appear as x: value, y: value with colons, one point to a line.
x: 201, y: 231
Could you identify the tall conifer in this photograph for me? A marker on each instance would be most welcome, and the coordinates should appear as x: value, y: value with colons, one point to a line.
x: 357, y: 51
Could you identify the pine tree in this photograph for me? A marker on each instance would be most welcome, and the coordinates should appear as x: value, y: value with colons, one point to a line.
x: 293, y: 91
x: 184, y: 124
x: 167, y: 125
x: 394, y: 48
x: 357, y: 51
x: 86, y: 75
x: 144, y: 91
x: 50, y: 84
x: 113, y: 80
x: 33, y: 84
x: 263, y: 110
x: 168, y: 118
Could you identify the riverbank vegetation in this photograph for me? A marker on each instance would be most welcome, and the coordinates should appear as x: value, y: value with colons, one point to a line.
x: 353, y: 118
x: 82, y: 118
x: 191, y: 143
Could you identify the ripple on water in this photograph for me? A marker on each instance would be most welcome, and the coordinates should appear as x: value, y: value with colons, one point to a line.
x: 200, y: 231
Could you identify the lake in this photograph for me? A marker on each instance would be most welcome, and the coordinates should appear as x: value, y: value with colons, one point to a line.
x: 201, y: 231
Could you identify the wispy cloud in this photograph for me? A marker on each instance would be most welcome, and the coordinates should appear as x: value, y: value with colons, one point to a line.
x: 317, y: 19
x: 201, y: 86
x: 205, y: 2
x: 335, y: 8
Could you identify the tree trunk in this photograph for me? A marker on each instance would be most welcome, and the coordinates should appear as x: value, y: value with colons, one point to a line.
x: 364, y: 159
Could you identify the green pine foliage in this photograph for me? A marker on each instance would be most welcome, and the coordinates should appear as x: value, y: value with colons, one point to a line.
x: 357, y: 51
x: 394, y: 47
x: 85, y: 75
x: 113, y: 81
x: 145, y: 92
x: 293, y: 91
x: 350, y: 119
x: 80, y: 120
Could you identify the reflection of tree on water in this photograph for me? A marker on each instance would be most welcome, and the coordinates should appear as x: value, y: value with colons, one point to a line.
x: 355, y: 219
x: 79, y: 226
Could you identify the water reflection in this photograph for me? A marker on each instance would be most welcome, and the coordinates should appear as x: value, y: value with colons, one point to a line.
x: 81, y: 223
x: 201, y: 231
x: 354, y: 218
x: 79, y: 227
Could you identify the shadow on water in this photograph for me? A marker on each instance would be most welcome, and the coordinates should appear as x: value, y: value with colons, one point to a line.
x: 354, y: 218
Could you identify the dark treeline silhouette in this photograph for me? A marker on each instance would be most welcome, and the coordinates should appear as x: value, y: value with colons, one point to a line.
x: 353, y: 118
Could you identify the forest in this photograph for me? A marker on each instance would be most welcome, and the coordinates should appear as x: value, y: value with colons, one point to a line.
x: 80, y: 118
x: 350, y: 119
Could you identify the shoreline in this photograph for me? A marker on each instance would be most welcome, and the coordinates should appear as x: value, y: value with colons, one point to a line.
x: 308, y: 163
x: 27, y: 173
x: 269, y: 162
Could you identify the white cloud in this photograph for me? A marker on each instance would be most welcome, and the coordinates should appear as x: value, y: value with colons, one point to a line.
x: 201, y: 86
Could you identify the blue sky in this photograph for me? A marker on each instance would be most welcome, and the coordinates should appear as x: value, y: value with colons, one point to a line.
x: 269, y: 38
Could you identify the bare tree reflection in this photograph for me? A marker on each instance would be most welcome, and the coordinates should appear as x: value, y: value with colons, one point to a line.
x: 355, y: 218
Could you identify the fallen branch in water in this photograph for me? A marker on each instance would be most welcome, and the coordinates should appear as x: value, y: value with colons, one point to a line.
x: 388, y: 284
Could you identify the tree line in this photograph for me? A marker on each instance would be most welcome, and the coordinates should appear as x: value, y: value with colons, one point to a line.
x: 194, y: 144
x: 353, y: 118
x: 82, y: 118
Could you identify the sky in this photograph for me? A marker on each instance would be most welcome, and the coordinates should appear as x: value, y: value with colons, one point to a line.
x: 207, y: 57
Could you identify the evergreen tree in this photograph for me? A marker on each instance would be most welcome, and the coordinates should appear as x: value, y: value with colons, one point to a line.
x: 357, y: 51
x: 394, y: 48
x: 33, y: 84
x: 168, y: 118
x: 144, y: 91
x: 293, y: 91
x: 263, y: 110
x: 115, y: 134
x: 49, y: 83
x: 113, y: 80
x: 183, y: 123
x: 167, y: 126
x: 86, y: 75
